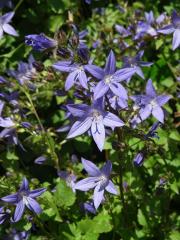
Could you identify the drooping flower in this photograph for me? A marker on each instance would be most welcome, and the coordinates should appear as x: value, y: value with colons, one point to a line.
x: 98, y: 179
x: 92, y: 118
x: 151, y: 103
x: 24, y: 197
x: 76, y: 73
x: 109, y: 78
x: 174, y: 28
x: 152, y: 132
x: 40, y: 42
x: 5, y: 26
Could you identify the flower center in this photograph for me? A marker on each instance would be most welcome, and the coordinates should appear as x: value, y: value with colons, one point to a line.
x: 23, y: 194
x: 95, y: 114
x: 103, y: 178
x: 81, y: 68
x: 108, y: 79
x: 25, y: 201
x: 131, y: 61
x: 26, y: 76
x: 153, y: 103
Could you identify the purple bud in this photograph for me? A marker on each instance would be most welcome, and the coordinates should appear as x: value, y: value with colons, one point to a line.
x: 88, y: 207
x: 40, y: 42
x: 138, y: 160
x: 40, y: 160
x: 26, y: 124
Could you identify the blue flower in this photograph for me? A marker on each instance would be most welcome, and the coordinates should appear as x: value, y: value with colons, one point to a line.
x: 151, y: 103
x: 109, y: 78
x: 40, y: 42
x: 174, y: 28
x: 24, y: 197
x: 98, y: 179
x: 76, y: 73
x: 92, y: 118
x: 144, y: 28
x: 134, y: 64
x: 5, y: 26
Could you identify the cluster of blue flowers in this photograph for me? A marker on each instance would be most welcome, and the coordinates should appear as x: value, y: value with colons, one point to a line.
x: 102, y: 94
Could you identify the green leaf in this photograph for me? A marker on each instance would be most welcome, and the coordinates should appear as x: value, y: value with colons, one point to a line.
x: 141, y: 218
x: 168, y: 82
x: 64, y: 196
x: 175, y: 235
x: 175, y: 135
x: 102, y: 222
x: 51, y: 210
x: 159, y: 43
x: 175, y: 187
x: 55, y: 22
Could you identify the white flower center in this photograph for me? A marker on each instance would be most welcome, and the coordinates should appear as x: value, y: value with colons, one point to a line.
x: 108, y: 79
x: 131, y: 62
x: 25, y: 201
x: 103, y: 178
x: 135, y: 107
x: 81, y: 68
x: 153, y: 103
x: 96, y: 114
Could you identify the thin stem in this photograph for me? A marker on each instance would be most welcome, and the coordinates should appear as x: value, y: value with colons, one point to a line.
x: 120, y: 137
x: 169, y: 66
x: 135, y: 143
x: 45, y: 133
x: 121, y: 183
x: 18, y: 5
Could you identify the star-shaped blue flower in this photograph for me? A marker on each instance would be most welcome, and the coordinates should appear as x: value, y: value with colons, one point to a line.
x: 24, y: 197
x: 98, y: 179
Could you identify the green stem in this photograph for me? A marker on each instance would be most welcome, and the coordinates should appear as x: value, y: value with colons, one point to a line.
x: 45, y: 133
x: 135, y: 143
x: 120, y: 137
x: 18, y: 5
x: 170, y: 66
